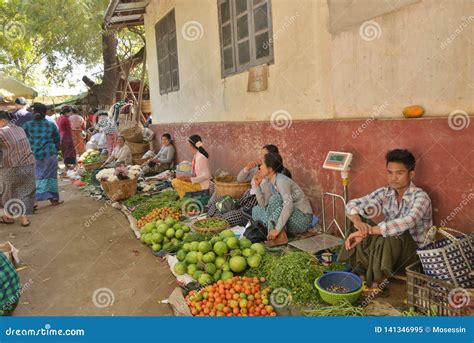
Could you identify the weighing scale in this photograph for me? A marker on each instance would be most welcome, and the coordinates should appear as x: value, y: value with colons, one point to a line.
x: 337, y: 161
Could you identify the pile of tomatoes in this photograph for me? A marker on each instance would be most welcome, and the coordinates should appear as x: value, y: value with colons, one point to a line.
x: 239, y: 296
x: 157, y: 214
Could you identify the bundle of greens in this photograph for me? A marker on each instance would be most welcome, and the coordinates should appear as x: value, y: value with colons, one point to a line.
x: 343, y: 308
x: 295, y: 271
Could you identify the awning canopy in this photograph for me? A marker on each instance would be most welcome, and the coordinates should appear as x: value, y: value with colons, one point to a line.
x: 12, y: 88
x: 125, y: 13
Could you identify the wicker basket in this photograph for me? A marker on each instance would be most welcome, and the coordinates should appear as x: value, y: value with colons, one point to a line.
x: 228, y: 185
x: 96, y: 165
x: 138, y: 148
x: 133, y: 134
x: 226, y: 225
x: 427, y: 294
x: 146, y: 106
x: 120, y: 190
x: 139, y: 161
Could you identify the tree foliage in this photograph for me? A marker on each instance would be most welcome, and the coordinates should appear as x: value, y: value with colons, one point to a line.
x: 52, y: 37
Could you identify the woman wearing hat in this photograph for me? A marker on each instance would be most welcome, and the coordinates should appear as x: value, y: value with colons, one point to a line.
x: 201, y: 172
x: 21, y: 116
x: 18, y: 174
x: 44, y: 141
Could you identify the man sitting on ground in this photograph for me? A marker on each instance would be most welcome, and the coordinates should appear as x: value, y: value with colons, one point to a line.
x: 379, y: 251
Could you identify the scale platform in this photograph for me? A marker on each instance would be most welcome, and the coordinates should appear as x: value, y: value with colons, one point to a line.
x: 316, y: 243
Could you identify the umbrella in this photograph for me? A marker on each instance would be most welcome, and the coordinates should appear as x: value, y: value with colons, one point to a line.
x: 10, y: 87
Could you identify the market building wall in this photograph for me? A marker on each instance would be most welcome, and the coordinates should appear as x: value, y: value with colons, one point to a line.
x: 299, y: 81
x: 334, y: 91
x: 419, y: 53
x: 444, y: 152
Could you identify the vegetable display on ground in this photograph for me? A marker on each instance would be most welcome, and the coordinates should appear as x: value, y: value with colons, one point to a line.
x: 218, y: 258
x: 236, y: 296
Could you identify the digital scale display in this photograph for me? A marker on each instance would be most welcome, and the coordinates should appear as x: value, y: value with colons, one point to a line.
x: 337, y: 160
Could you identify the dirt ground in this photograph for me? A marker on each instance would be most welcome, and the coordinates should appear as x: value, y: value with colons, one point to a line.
x: 68, y: 261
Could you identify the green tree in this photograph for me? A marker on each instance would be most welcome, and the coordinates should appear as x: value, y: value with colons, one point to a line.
x: 52, y: 37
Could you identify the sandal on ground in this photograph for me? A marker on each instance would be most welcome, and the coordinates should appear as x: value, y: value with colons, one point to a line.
x: 28, y: 223
x: 57, y: 202
x: 4, y: 220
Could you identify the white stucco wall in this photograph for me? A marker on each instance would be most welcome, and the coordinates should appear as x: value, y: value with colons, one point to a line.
x: 411, y: 61
x: 317, y: 75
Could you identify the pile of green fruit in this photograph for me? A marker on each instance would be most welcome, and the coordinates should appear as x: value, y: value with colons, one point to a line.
x: 165, y: 234
x: 218, y: 258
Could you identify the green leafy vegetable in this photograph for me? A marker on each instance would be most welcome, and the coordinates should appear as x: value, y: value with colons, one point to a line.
x: 343, y: 308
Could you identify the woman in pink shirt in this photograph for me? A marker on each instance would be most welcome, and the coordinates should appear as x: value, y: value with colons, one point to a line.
x: 201, y: 172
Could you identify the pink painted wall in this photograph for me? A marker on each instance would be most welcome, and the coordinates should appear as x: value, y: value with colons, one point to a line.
x: 445, y: 157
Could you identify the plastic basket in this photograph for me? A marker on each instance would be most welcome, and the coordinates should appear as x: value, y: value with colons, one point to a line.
x: 334, y: 298
x: 433, y: 296
x: 450, y: 259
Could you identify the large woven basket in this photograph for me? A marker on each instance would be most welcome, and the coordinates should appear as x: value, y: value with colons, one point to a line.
x: 450, y: 259
x: 120, y: 190
x: 228, y: 185
x: 133, y: 134
x: 139, y: 161
x: 196, y: 228
x: 138, y: 148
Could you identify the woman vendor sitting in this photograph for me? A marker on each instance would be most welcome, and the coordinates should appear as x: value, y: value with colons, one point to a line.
x: 249, y: 171
x: 120, y: 155
x: 164, y: 160
x: 235, y: 217
x: 200, y: 170
x: 282, y: 207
